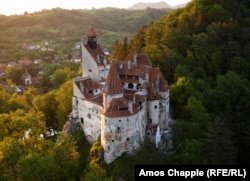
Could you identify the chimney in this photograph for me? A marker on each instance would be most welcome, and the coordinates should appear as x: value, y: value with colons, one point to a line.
x: 121, y: 66
x: 81, y: 87
x: 129, y: 64
x: 130, y: 106
x: 135, y: 58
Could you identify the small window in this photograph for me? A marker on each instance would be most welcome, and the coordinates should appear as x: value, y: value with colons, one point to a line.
x: 150, y: 120
x: 82, y: 120
x: 130, y: 86
x: 120, y: 120
x: 155, y: 106
x: 118, y: 128
x: 89, y: 116
x: 90, y: 70
x: 113, y: 140
x: 128, y: 139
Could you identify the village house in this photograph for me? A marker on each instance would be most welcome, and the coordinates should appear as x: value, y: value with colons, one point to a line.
x: 119, y: 102
x: 27, y: 77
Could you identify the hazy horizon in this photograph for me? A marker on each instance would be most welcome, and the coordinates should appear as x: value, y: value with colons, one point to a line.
x: 12, y: 7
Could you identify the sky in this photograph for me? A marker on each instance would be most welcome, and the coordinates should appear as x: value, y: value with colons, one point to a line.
x: 10, y: 7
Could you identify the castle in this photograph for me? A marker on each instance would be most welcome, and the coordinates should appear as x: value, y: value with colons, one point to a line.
x: 120, y: 102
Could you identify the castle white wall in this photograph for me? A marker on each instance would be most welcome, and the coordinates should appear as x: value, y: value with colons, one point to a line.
x: 153, y: 110
x: 89, y: 119
x: 89, y: 66
x: 103, y: 71
x: 77, y: 92
x: 124, y: 134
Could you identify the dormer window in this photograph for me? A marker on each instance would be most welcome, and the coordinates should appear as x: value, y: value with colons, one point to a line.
x: 130, y: 85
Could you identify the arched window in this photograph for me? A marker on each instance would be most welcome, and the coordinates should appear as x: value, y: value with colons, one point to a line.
x: 82, y: 120
x: 130, y: 85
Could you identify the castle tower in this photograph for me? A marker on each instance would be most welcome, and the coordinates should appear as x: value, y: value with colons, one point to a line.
x: 92, y: 40
x: 94, y: 62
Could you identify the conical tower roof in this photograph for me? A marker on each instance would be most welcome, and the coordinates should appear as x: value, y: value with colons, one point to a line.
x: 92, y: 32
x: 113, y: 81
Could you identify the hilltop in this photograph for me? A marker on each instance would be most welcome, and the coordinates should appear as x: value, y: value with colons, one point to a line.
x: 63, y: 28
x: 157, y: 5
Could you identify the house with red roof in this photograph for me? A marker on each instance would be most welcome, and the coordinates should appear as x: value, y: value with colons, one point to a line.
x: 27, y: 77
x: 120, y: 102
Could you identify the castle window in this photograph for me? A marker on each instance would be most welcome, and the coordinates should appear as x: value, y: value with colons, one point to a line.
x: 90, y: 70
x: 155, y: 106
x: 82, y: 120
x: 113, y: 140
x: 118, y: 128
x: 120, y: 120
x: 127, y: 139
x: 89, y: 116
x: 150, y: 120
x: 130, y: 86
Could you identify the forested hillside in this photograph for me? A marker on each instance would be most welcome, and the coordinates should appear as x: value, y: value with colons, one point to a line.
x: 62, y: 28
x: 203, y: 51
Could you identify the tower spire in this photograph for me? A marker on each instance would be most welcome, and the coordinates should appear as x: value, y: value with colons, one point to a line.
x: 92, y: 40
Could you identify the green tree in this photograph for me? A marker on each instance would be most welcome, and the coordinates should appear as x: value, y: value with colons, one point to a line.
x: 66, y: 157
x: 9, y: 156
x: 37, y: 166
x: 220, y: 148
x: 64, y: 98
x: 94, y: 170
x: 48, y: 104
x: 14, y: 74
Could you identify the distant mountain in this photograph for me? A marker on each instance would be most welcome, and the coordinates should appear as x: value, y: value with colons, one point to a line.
x: 158, y: 5
x: 179, y: 6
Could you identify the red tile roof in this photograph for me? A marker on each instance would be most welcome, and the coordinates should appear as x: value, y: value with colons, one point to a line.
x: 113, y: 81
x: 26, y: 73
x: 119, y: 107
x: 141, y: 58
x: 3, y: 68
x: 92, y: 32
x: 129, y: 68
x: 87, y: 87
x: 95, y: 53
x: 24, y: 61
x: 156, y: 75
